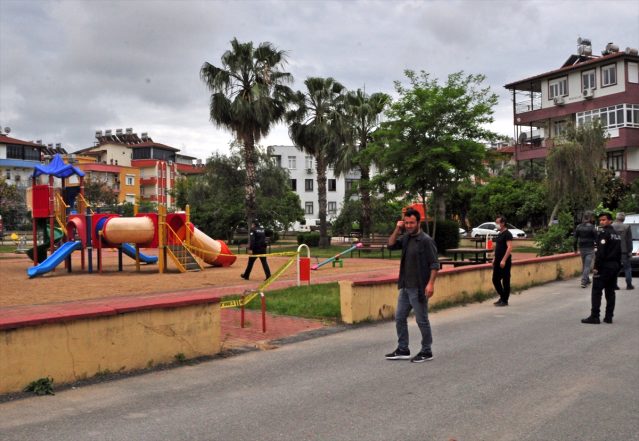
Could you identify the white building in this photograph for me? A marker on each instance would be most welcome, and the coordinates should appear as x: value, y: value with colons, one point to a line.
x: 303, y: 181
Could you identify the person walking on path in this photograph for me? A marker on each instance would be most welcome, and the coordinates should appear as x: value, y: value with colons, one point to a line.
x: 607, y: 264
x: 585, y: 237
x: 625, y: 234
x: 502, y: 261
x: 257, y: 245
x: 417, y: 273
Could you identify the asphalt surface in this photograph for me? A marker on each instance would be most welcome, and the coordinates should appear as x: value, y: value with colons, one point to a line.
x: 530, y: 371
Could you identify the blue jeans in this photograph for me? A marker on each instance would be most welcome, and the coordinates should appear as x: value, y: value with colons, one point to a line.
x: 409, y: 299
x: 586, y: 260
x: 627, y: 269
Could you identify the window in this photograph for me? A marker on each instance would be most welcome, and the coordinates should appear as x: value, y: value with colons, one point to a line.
x: 8, y: 176
x: 130, y: 179
x: 308, y: 185
x: 559, y: 128
x: 308, y: 208
x: 292, y: 162
x: 352, y: 184
x: 141, y: 153
x: 588, y: 80
x: 332, y: 208
x: 557, y: 87
x: 609, y: 75
x: 614, y: 160
x: 17, y: 178
x: 278, y: 160
x: 621, y: 115
x: 332, y: 185
x: 294, y: 184
x: 308, y: 162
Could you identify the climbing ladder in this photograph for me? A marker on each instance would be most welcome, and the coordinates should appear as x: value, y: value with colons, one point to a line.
x: 182, y: 257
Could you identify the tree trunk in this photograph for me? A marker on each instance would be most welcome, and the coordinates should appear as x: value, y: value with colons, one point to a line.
x: 365, y: 196
x: 250, y: 203
x: 555, y: 210
x: 321, y: 193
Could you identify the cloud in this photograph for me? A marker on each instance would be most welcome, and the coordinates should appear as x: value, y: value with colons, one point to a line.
x: 68, y: 68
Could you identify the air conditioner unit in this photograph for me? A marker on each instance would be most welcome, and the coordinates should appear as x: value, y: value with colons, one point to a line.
x: 588, y: 93
x: 309, y: 171
x: 559, y: 100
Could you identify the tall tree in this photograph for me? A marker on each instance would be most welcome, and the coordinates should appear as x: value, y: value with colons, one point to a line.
x: 316, y: 125
x: 248, y: 96
x: 432, y: 139
x: 574, y: 166
x: 363, y: 112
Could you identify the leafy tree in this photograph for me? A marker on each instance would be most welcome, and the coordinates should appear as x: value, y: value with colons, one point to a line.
x: 629, y: 203
x: 316, y: 125
x: 12, y: 206
x: 98, y: 193
x: 614, y: 190
x: 431, y: 140
x: 522, y: 202
x: 248, y: 96
x: 574, y: 167
x: 558, y: 237
x: 363, y: 112
x: 384, y: 215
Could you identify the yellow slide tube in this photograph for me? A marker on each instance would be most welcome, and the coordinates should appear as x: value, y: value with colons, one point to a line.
x: 129, y: 230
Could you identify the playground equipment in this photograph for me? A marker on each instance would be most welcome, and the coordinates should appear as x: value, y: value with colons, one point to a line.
x: 173, y: 234
x: 336, y: 258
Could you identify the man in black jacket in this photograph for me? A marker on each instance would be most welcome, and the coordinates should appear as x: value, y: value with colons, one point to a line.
x: 257, y: 245
x: 417, y: 273
x: 585, y: 237
x: 607, y: 264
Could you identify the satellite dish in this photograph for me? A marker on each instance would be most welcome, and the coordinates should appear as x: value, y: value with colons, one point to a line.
x: 523, y: 137
x: 7, y: 130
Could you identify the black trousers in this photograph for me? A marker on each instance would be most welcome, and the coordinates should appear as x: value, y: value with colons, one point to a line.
x: 501, y: 281
x: 251, y: 262
x: 604, y: 281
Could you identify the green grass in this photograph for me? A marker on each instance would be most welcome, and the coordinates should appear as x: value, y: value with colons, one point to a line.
x: 526, y: 250
x: 314, y: 301
x: 7, y: 248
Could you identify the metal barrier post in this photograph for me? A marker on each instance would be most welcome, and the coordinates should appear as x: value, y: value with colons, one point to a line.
x: 303, y: 265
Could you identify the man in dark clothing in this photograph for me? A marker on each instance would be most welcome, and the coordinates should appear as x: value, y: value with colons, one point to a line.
x: 585, y: 236
x: 257, y: 245
x: 607, y: 264
x: 502, y: 261
x: 625, y: 234
x: 417, y: 273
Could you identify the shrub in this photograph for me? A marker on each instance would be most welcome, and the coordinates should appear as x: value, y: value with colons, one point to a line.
x: 446, y: 235
x: 558, y: 238
x: 310, y: 239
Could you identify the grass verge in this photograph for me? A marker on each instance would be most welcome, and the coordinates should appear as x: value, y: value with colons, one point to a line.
x: 315, y: 301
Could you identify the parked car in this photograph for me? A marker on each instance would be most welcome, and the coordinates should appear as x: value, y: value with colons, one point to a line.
x: 633, y: 221
x: 490, y: 229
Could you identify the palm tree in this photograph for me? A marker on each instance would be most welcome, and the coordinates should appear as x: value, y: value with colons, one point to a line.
x: 248, y: 96
x: 316, y: 127
x: 363, y: 112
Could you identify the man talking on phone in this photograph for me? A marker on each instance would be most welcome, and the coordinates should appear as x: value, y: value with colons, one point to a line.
x: 417, y: 274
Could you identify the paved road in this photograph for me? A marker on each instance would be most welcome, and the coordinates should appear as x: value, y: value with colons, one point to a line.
x: 531, y: 371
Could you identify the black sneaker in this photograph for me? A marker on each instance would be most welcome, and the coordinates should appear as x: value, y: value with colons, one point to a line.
x: 608, y: 320
x: 398, y: 354
x: 244, y: 277
x: 422, y: 357
x: 630, y: 287
x: 591, y: 320
x: 583, y: 285
x: 500, y: 303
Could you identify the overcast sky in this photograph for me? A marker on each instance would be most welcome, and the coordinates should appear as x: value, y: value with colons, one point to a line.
x: 69, y: 68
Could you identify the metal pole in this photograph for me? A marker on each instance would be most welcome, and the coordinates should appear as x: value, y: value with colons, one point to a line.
x: 263, y: 311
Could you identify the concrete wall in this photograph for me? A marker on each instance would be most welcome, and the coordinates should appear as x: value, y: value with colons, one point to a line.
x: 90, y: 338
x: 376, y: 299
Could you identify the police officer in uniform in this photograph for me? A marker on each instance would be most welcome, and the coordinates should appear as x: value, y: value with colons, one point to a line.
x: 257, y: 245
x: 607, y: 265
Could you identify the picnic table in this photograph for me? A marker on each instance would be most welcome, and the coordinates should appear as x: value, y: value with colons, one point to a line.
x: 480, y: 255
x: 480, y: 241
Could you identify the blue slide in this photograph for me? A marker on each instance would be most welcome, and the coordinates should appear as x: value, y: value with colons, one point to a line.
x: 129, y: 250
x: 54, y: 259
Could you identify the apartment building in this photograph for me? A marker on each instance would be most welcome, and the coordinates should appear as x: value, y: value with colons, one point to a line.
x: 17, y: 159
x: 138, y: 161
x: 585, y: 87
x: 303, y: 181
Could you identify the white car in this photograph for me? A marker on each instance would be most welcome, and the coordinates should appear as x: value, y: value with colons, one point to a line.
x: 462, y: 232
x: 490, y: 229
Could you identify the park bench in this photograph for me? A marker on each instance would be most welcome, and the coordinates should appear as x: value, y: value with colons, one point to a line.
x: 375, y: 243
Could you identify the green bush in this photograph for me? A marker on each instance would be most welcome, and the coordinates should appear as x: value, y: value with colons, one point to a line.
x: 446, y: 235
x: 310, y: 239
x: 558, y: 238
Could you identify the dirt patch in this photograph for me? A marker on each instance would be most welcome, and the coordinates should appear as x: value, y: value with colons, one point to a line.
x: 60, y: 286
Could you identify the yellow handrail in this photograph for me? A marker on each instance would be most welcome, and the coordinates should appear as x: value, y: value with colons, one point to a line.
x: 85, y: 204
x: 60, y: 211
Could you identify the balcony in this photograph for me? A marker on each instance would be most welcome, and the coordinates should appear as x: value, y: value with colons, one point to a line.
x: 528, y: 105
x: 149, y: 181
